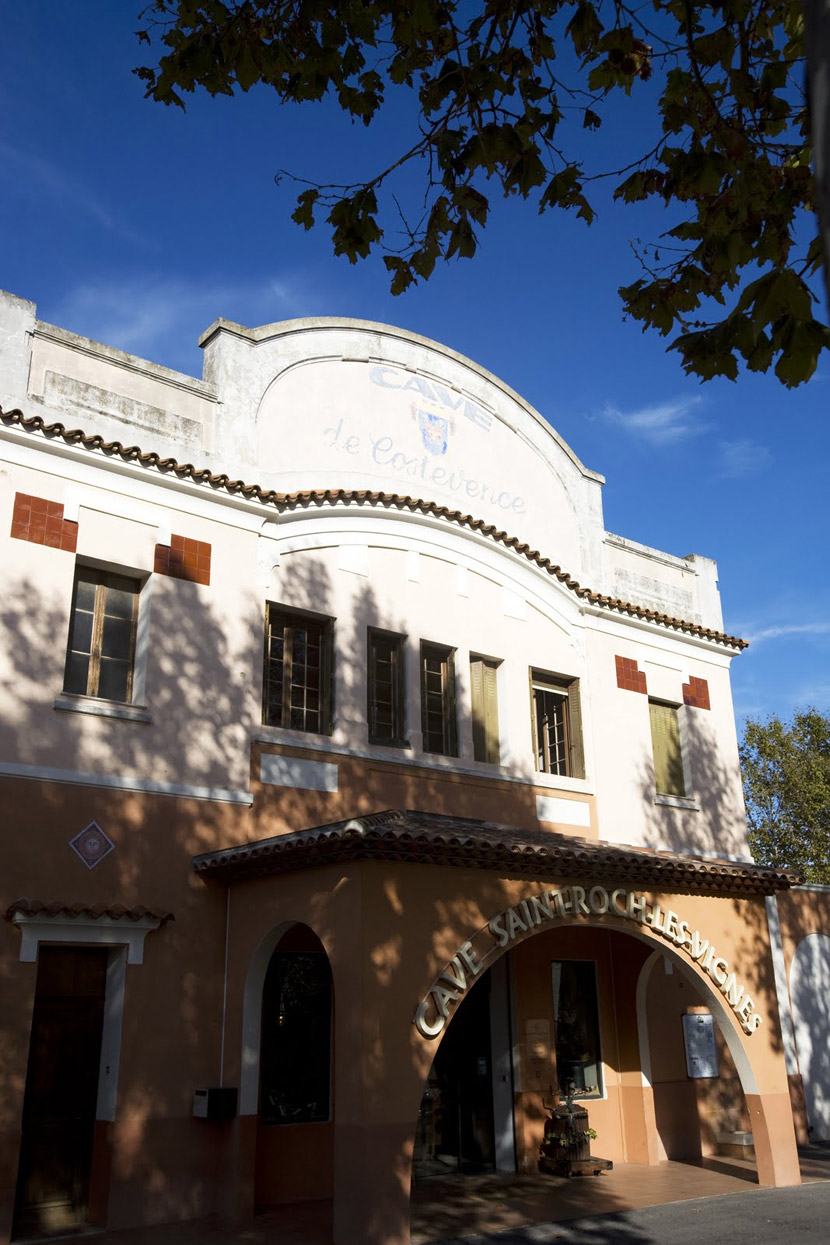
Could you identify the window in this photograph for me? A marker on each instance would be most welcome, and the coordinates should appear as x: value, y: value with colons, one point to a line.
x: 295, y: 1060
x: 485, y: 705
x: 665, y: 743
x: 386, y: 707
x: 576, y: 1020
x: 557, y: 725
x: 298, y: 671
x: 438, y: 716
x: 102, y: 629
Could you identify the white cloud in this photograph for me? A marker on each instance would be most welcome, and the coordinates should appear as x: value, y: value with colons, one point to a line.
x: 662, y: 423
x: 742, y: 458
x: 161, y: 317
x: 788, y: 629
x: 67, y: 191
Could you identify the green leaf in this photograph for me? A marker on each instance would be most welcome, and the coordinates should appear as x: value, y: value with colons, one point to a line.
x: 303, y: 214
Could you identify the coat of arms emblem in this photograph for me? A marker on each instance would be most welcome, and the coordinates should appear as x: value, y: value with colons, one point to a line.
x: 435, y: 430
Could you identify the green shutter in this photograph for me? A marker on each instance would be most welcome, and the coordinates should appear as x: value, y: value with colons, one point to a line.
x: 665, y: 741
x: 576, y: 749
x: 485, y: 708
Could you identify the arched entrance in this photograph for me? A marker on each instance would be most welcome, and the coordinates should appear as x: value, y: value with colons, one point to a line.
x: 465, y: 1122
x: 601, y: 1008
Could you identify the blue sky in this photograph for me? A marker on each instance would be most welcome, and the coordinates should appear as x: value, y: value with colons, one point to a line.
x: 139, y: 225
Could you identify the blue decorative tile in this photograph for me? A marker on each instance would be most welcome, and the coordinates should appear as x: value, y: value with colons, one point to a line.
x: 92, y: 845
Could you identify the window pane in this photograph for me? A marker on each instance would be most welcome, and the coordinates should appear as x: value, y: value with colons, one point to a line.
x: 117, y: 638
x: 438, y: 700
x: 80, y: 635
x: 550, y: 716
x: 576, y: 1016
x: 113, y: 680
x: 102, y: 635
x: 385, y: 688
x: 296, y: 1039
x: 120, y: 601
x: 296, y: 692
x: 85, y: 594
x: 77, y: 673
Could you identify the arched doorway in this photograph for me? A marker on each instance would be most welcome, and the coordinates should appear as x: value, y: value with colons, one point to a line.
x: 601, y: 1008
x: 465, y: 1122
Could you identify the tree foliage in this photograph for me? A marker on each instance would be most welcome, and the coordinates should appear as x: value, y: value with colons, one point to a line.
x: 786, y: 774
x: 508, y: 93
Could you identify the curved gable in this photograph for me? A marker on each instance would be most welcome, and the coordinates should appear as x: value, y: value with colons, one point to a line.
x: 354, y: 405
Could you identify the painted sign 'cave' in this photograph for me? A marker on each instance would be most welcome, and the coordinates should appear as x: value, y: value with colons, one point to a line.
x: 474, y: 956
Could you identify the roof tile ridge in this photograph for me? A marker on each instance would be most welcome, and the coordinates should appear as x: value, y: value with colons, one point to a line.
x: 287, y: 501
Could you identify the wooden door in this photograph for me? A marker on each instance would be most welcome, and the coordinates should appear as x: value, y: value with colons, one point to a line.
x: 61, y: 1090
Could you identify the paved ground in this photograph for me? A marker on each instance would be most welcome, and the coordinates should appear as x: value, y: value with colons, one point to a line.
x: 709, y: 1202
x: 498, y: 1208
x: 758, y: 1217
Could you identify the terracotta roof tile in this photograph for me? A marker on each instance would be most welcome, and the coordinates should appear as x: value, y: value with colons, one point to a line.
x: 329, y: 497
x: 429, y: 838
x: 52, y: 908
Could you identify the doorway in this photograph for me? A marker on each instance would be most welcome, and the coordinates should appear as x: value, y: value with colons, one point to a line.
x: 455, y: 1132
x: 59, y: 1105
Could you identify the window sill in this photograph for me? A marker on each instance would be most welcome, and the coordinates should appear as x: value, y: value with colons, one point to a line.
x: 678, y: 801
x: 102, y: 708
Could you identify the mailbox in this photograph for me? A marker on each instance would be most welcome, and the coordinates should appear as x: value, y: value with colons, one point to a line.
x: 214, y: 1104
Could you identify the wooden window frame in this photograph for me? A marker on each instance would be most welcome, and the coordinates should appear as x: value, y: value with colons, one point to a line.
x: 103, y: 581
x: 396, y: 645
x: 449, y: 712
x: 565, y: 690
x: 680, y: 759
x: 274, y: 610
x: 484, y: 704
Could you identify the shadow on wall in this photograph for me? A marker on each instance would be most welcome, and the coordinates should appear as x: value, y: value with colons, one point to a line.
x: 204, y: 692
x: 717, y: 829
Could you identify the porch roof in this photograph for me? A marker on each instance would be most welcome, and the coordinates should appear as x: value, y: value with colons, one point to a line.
x: 411, y: 837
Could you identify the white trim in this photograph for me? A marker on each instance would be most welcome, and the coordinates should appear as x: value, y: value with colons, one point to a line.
x: 83, y: 929
x: 642, y: 1015
x: 111, y: 1035
x: 779, y: 969
x: 679, y: 801
x: 430, y: 761
x: 252, y: 1018
x: 501, y: 1077
x: 102, y: 708
x: 564, y: 812
x: 129, y: 362
x: 278, y: 770
x: 661, y: 630
x: 80, y: 778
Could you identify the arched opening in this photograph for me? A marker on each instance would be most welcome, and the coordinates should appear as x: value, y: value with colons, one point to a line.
x: 700, y: 1105
x: 294, y: 1085
x: 606, y: 1010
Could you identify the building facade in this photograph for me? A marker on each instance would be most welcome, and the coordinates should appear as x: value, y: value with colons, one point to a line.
x: 362, y: 792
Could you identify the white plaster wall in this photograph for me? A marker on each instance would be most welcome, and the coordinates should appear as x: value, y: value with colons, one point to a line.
x: 17, y: 322
x: 281, y: 388
x: 413, y: 587
x: 204, y: 652
x: 809, y: 991
x: 711, y: 820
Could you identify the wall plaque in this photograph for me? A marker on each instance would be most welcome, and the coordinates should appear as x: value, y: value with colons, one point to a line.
x: 699, y: 1040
